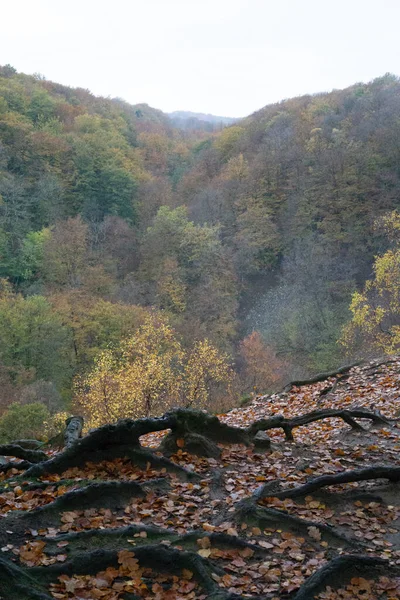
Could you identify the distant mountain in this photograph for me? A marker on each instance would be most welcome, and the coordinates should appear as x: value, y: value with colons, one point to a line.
x: 192, y: 121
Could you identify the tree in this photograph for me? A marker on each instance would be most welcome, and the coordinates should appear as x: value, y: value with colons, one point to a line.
x: 105, y: 170
x: 65, y: 253
x: 41, y: 106
x: 15, y: 210
x: 195, y: 279
x: 375, y: 322
x: 257, y: 239
x: 261, y: 369
x: 206, y: 371
x: 227, y: 140
x: 23, y: 421
x: 34, y: 337
x: 148, y: 373
x: 136, y: 380
x: 7, y: 71
x: 95, y: 324
x: 30, y: 263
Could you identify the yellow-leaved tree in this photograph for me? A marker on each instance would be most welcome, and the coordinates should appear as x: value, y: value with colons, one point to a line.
x: 150, y: 372
x: 205, y: 369
x: 375, y: 323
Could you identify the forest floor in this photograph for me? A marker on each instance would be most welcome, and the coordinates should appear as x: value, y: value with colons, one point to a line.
x: 313, y: 512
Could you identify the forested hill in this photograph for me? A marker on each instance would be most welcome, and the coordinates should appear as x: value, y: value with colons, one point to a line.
x: 199, y: 121
x: 296, y: 189
x: 114, y: 223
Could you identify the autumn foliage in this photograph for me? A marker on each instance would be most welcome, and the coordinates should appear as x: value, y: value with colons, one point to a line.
x: 114, y: 516
x: 375, y: 322
x: 262, y: 370
x: 149, y: 373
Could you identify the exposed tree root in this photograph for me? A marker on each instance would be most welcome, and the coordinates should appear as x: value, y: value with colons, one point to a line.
x: 29, y: 444
x: 320, y: 376
x: 249, y: 512
x: 139, y: 456
x: 188, y: 421
x: 21, y: 466
x: 160, y: 558
x: 18, y: 584
x: 109, y: 494
x: 165, y: 550
x: 278, y: 421
x: 113, y: 538
x: 195, y: 429
x: 122, y: 439
x: 73, y: 430
x: 116, y: 538
x: 339, y: 571
x: 32, y: 456
x: 96, y: 495
x: 380, y: 472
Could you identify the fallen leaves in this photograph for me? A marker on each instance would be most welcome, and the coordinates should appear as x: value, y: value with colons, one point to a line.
x: 364, y: 589
x: 274, y: 560
x: 128, y: 578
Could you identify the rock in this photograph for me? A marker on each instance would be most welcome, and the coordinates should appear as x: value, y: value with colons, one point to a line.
x: 201, y: 446
x: 191, y: 442
x: 261, y: 441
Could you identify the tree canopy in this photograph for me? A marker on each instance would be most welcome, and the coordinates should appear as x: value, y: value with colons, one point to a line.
x: 110, y: 212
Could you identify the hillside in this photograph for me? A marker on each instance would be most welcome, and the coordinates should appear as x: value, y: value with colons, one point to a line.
x: 187, y: 114
x: 296, y: 189
x: 229, y: 513
x: 188, y: 120
x: 232, y: 256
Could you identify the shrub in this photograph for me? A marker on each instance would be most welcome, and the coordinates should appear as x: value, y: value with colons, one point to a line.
x: 23, y: 421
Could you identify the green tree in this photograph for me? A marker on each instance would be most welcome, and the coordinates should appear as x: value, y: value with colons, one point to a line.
x: 23, y: 422
x: 95, y: 324
x: 65, y: 253
x: 195, y: 278
x: 106, y: 170
x: 34, y: 337
x: 31, y: 257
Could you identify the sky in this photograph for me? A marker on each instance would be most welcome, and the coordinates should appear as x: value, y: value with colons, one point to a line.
x: 225, y: 57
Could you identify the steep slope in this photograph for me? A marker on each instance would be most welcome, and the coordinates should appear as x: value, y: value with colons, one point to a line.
x: 108, y: 211
x: 229, y: 514
x: 296, y: 189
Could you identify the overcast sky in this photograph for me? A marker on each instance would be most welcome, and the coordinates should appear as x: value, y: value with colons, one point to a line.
x: 227, y: 57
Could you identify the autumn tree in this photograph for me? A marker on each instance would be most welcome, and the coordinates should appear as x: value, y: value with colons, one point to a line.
x: 228, y: 139
x: 261, y: 369
x: 194, y: 278
x: 207, y: 372
x: 94, y: 324
x: 375, y: 322
x: 148, y: 373
x: 65, y: 253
